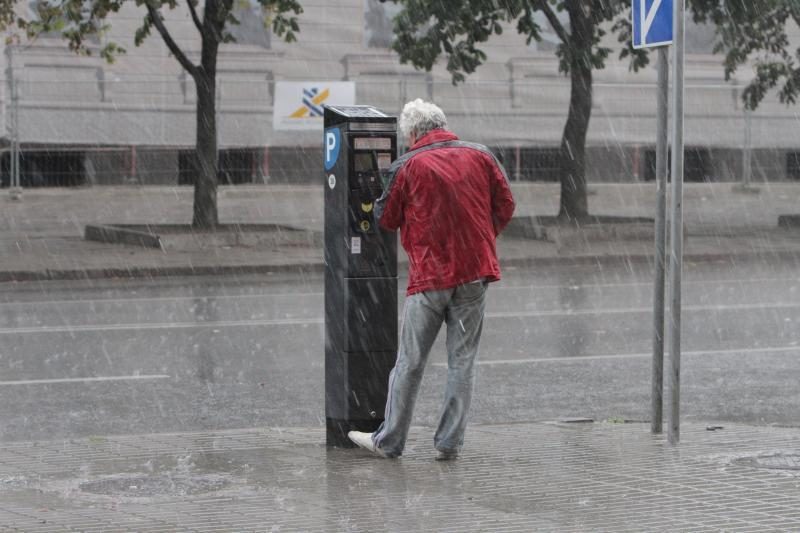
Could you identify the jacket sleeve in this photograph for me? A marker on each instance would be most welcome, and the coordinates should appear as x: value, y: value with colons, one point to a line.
x: 389, y: 207
x: 502, y: 199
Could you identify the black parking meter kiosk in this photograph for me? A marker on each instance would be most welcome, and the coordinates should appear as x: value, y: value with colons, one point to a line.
x: 359, y: 145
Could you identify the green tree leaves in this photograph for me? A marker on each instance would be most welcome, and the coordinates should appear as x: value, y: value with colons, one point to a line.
x: 746, y: 30
x: 80, y: 20
x: 756, y: 30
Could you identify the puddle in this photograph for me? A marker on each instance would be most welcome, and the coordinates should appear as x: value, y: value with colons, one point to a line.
x: 143, y: 486
x: 774, y: 461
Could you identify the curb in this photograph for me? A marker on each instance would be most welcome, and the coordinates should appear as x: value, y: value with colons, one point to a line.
x: 154, y: 272
x: 121, y: 234
x: 176, y: 236
x: 319, y: 268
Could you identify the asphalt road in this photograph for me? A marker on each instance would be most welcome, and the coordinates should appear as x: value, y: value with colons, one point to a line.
x: 162, y: 355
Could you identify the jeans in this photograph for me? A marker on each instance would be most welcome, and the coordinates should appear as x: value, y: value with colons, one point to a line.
x: 461, y: 308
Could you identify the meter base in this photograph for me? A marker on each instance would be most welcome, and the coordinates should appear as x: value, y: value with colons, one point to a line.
x: 336, y: 431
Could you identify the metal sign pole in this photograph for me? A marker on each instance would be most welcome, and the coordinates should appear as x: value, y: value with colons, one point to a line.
x: 12, y: 125
x: 746, y: 185
x: 676, y: 257
x: 747, y: 161
x: 657, y: 393
x: 17, y: 182
x: 12, y: 134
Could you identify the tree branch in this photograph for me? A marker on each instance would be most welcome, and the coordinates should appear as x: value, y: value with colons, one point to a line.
x: 552, y: 18
x: 155, y: 17
x: 195, y: 18
x: 228, y: 5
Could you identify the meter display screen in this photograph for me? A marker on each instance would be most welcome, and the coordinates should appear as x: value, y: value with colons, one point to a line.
x: 373, y: 143
x: 369, y: 161
x: 363, y: 162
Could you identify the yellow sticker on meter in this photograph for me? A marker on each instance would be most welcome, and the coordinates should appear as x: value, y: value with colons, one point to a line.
x: 366, y: 207
x: 365, y: 225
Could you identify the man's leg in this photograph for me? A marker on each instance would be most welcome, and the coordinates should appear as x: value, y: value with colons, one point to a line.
x: 423, y: 315
x: 464, y: 318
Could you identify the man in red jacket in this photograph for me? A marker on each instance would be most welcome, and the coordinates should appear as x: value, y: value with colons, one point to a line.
x: 450, y: 200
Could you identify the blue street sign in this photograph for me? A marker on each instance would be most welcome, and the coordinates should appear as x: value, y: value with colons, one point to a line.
x: 652, y: 23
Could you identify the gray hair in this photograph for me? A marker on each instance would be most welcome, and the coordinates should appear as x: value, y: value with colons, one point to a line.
x: 420, y: 117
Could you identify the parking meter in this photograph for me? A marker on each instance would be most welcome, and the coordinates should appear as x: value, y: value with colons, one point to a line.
x: 359, y: 145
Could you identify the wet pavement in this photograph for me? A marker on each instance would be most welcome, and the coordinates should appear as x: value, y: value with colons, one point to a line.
x: 115, y: 357
x: 511, y: 477
x: 195, y: 403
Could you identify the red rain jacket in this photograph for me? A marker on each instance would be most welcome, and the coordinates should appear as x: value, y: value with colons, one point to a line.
x: 450, y: 199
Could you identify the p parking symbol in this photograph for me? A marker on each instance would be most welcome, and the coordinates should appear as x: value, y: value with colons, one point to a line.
x: 332, y: 143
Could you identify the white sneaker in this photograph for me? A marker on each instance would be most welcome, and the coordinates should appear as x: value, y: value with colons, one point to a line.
x: 364, y: 440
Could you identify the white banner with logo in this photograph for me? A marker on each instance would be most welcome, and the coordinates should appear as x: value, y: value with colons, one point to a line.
x: 298, y: 104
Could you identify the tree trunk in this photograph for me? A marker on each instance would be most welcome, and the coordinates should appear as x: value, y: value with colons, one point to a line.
x: 205, y: 160
x: 574, y: 206
x: 206, y: 155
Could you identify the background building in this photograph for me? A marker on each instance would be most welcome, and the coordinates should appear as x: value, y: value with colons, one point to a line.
x: 83, y: 121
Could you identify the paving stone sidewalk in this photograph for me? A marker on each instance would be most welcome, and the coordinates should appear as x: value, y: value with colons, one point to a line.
x: 41, y: 236
x: 520, y: 477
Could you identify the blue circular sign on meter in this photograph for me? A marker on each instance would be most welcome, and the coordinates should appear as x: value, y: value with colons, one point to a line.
x: 332, y: 143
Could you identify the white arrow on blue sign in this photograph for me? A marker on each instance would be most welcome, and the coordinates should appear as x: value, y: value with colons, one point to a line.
x: 652, y: 23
